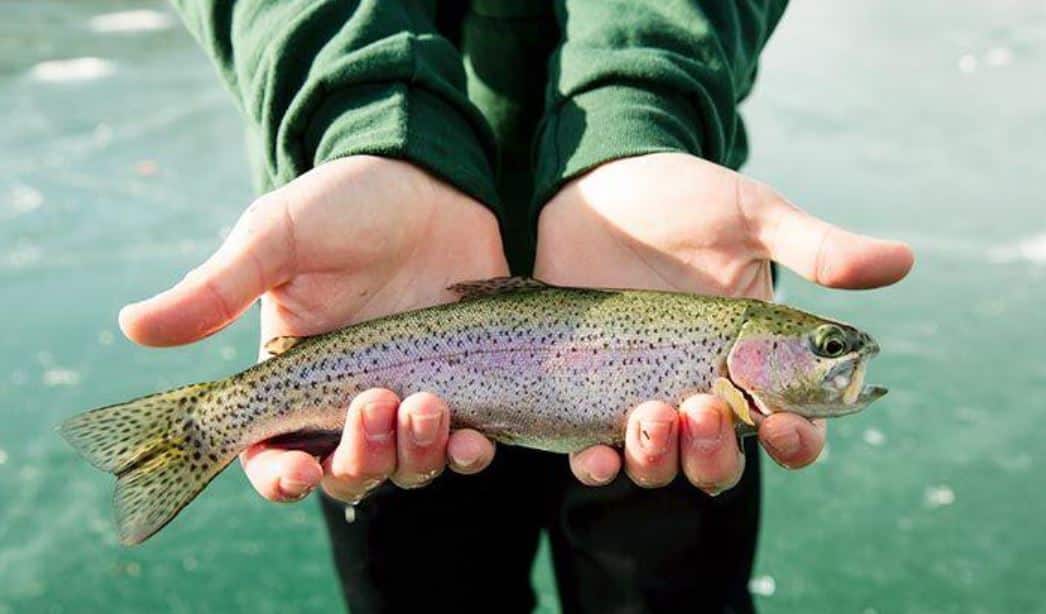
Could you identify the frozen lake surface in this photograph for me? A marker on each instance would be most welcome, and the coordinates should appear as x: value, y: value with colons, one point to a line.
x: 122, y: 164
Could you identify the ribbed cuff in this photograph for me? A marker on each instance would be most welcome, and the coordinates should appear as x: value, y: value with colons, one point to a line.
x: 607, y: 123
x: 396, y: 120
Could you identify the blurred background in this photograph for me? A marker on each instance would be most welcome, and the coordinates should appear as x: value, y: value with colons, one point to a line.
x: 122, y: 165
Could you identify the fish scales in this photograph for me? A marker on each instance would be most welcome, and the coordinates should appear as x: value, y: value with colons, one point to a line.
x: 556, y: 369
x: 524, y: 363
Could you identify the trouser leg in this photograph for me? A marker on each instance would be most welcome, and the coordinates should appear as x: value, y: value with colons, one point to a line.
x: 461, y: 544
x: 622, y: 548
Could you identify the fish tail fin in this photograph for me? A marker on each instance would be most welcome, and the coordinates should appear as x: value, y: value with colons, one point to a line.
x: 159, y: 451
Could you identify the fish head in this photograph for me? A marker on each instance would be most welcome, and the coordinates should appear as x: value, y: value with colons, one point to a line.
x: 787, y: 360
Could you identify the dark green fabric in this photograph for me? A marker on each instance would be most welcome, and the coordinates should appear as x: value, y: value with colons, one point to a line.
x: 324, y: 79
x: 505, y: 46
x: 504, y: 99
x: 635, y: 77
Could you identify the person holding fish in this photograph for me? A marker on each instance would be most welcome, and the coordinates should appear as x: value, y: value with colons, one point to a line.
x: 405, y: 147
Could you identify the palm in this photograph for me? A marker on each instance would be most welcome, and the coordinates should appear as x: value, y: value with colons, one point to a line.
x: 665, y: 221
x: 353, y: 239
x: 407, y: 238
x: 676, y: 222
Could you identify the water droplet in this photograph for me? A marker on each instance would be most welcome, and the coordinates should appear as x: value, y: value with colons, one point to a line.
x: 939, y: 496
x: 763, y: 586
x: 3, y: 456
x: 105, y: 337
x: 133, y: 569
x: 228, y: 352
x: 874, y: 437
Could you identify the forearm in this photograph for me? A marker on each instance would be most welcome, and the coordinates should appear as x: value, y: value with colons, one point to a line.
x: 325, y: 79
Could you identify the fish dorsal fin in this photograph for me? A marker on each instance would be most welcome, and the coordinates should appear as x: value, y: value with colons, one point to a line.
x: 470, y: 290
x: 279, y: 345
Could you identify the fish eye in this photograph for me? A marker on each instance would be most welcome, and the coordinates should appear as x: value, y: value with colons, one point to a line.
x: 829, y: 341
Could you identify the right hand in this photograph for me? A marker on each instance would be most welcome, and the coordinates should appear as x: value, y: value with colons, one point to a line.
x: 353, y: 239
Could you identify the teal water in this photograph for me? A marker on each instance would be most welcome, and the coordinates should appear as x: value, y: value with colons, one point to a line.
x: 923, y: 121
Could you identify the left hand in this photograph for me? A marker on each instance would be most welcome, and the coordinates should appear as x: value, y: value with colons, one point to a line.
x: 677, y: 222
x: 352, y: 239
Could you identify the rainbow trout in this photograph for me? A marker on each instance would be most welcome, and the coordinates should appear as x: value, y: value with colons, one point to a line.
x: 525, y: 363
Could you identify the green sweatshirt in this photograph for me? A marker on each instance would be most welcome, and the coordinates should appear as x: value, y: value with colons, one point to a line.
x: 504, y: 99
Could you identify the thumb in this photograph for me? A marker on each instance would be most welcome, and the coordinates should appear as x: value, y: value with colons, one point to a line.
x: 257, y: 255
x: 826, y: 254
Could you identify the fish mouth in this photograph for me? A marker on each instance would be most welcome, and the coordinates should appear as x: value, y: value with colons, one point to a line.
x: 870, y: 393
x: 856, y: 393
x: 847, y: 396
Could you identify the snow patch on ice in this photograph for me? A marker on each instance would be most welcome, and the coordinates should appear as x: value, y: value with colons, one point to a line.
x: 74, y: 69
x: 142, y: 20
x: 1032, y: 249
x: 764, y: 586
x: 939, y: 496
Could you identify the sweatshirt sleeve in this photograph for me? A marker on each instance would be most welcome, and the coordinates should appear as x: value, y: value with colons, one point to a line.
x: 324, y: 79
x: 633, y: 77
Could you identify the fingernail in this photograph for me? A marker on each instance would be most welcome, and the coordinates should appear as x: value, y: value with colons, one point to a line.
x: 377, y: 421
x: 467, y: 459
x: 294, y: 490
x: 599, y: 477
x: 714, y: 490
x: 424, y: 428
x: 783, y: 443
x: 655, y: 436
x: 706, y: 429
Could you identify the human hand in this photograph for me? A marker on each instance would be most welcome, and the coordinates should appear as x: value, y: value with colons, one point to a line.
x: 677, y: 222
x: 351, y: 240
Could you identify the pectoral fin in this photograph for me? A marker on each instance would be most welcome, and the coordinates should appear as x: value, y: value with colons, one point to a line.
x: 725, y: 389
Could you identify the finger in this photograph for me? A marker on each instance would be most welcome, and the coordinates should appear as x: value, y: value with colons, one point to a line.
x: 826, y: 254
x: 421, y: 440
x: 652, y: 444
x: 595, y: 466
x: 257, y: 255
x: 367, y: 452
x: 281, y: 475
x: 791, y: 440
x: 469, y: 452
x: 709, y: 454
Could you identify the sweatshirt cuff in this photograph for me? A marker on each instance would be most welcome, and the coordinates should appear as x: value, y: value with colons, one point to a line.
x: 398, y: 120
x: 607, y: 123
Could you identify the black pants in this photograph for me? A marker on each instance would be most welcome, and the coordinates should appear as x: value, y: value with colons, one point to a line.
x: 467, y: 544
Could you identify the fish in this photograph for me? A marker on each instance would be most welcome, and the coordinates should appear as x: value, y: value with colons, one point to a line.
x: 523, y: 362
